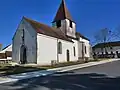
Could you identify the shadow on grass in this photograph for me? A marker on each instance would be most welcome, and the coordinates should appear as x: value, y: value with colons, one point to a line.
x: 9, y: 70
x: 70, y: 81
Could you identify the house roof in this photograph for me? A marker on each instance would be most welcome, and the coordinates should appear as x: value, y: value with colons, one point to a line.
x: 6, y: 47
x: 107, y: 44
x: 62, y: 13
x: 47, y: 30
x: 80, y: 35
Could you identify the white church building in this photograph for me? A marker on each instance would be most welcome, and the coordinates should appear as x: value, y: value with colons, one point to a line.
x: 37, y: 43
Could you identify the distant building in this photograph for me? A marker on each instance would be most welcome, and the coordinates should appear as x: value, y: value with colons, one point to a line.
x: 0, y: 47
x: 107, y: 50
x: 7, y: 48
x: 37, y: 43
x: 6, y: 54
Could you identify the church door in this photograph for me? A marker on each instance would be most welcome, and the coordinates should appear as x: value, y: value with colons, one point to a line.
x: 68, y: 56
x: 23, y: 55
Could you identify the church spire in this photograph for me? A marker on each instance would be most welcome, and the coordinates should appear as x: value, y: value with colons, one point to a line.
x: 62, y: 13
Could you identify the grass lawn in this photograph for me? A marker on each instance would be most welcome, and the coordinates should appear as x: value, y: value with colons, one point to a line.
x: 6, y: 69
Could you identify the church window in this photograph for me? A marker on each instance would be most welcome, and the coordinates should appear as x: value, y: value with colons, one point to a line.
x: 58, y: 23
x: 85, y: 50
x: 59, y: 47
x: 70, y: 23
x: 74, y: 51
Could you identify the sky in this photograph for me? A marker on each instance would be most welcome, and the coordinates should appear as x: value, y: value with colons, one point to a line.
x: 89, y: 15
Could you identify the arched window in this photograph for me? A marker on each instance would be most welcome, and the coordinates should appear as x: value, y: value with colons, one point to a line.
x: 74, y: 51
x: 70, y: 23
x: 59, y: 47
x: 85, y: 50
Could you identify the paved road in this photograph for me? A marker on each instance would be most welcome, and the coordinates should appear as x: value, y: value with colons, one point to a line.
x: 101, y: 77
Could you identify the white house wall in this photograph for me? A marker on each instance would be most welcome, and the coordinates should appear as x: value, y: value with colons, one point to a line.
x: 30, y: 42
x: 87, y: 44
x: 67, y: 46
x: 75, y: 44
x: 80, y: 48
x: 47, y: 49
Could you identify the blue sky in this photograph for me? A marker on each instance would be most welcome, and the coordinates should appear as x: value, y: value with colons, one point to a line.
x: 89, y: 15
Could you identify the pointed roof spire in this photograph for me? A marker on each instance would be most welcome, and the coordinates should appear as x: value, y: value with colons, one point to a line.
x: 62, y: 13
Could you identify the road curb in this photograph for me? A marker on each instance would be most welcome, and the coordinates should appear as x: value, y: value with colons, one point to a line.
x: 80, y: 66
x: 22, y: 76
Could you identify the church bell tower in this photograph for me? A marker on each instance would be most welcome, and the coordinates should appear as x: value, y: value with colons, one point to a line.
x: 64, y: 21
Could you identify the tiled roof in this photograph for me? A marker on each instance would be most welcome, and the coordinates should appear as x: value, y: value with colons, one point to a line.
x: 47, y: 30
x: 62, y: 13
x: 107, y: 44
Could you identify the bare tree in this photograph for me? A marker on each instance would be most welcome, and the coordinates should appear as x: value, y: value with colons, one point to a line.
x: 117, y: 33
x: 103, y: 36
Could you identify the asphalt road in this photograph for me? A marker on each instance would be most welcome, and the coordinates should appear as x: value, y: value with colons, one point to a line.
x: 101, y: 77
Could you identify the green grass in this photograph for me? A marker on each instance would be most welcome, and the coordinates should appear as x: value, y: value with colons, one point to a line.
x: 63, y: 64
x: 7, y: 69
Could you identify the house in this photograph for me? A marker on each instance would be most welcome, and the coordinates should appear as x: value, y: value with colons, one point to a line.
x: 107, y: 50
x: 6, y: 54
x: 38, y: 43
x: 7, y: 48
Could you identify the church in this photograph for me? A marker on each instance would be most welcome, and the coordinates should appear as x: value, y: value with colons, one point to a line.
x: 38, y: 43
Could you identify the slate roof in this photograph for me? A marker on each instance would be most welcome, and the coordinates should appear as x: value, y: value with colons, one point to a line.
x: 108, y: 44
x: 62, y: 13
x: 47, y: 30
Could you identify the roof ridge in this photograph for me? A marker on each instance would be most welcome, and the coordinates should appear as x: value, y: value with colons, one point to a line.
x: 113, y: 43
x: 46, y: 29
x: 36, y: 21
